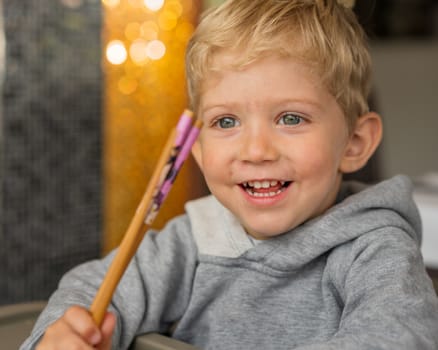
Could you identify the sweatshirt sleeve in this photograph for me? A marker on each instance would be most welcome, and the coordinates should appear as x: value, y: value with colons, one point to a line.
x: 388, y: 299
x: 151, y: 295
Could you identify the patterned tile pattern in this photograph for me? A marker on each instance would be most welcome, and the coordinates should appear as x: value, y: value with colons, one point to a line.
x: 51, y: 145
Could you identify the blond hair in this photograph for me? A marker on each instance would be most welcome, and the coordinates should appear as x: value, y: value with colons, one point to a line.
x: 323, y: 33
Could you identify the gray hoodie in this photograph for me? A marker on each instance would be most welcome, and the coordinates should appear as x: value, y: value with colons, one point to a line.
x: 352, y: 278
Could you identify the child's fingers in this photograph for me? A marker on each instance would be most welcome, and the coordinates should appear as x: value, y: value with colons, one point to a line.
x: 107, y: 329
x: 83, y: 324
x: 60, y: 335
x: 76, y: 330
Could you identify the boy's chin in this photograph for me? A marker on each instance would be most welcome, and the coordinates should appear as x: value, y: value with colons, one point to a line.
x: 266, y: 233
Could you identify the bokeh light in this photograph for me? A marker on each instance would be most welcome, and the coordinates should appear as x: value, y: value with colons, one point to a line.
x: 127, y: 85
x: 154, y: 5
x: 167, y: 20
x: 149, y: 30
x: 155, y: 49
x: 132, y: 31
x: 174, y: 6
x: 116, y: 52
x: 138, y: 51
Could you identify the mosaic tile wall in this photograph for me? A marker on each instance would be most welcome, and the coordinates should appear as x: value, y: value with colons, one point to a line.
x: 51, y: 144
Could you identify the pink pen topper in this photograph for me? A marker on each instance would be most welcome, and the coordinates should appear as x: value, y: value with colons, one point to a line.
x: 183, y: 127
x: 175, y: 163
x: 182, y: 130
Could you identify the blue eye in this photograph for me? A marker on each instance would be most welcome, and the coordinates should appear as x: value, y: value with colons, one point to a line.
x: 290, y: 119
x: 226, y: 122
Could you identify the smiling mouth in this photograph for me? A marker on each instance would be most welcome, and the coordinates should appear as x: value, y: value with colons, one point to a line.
x: 265, y: 188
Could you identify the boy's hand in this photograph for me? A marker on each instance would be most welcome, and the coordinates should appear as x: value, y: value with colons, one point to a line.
x: 77, y: 330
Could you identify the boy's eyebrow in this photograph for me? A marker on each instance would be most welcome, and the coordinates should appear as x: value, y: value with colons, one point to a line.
x: 230, y: 104
x: 213, y: 106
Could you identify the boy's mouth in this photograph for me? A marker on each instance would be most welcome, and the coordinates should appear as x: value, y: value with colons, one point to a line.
x: 264, y: 188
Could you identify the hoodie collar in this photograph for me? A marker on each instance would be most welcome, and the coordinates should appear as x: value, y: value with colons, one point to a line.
x: 359, y: 210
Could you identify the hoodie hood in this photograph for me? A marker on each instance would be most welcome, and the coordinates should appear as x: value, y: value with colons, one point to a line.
x: 360, y: 209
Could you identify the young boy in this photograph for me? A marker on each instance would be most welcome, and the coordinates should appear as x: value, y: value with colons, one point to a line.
x: 283, y: 255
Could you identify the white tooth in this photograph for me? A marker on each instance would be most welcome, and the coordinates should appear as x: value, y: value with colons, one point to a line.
x: 257, y: 184
x: 274, y: 183
x: 251, y: 183
x: 252, y: 193
x: 266, y: 184
x: 282, y: 183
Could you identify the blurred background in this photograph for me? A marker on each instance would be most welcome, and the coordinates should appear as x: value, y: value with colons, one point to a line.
x: 90, y: 89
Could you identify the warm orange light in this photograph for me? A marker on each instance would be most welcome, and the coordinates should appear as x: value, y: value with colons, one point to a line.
x: 132, y: 31
x: 116, y: 52
x: 167, y: 20
x: 174, y: 6
x: 154, y: 5
x: 138, y: 51
x: 127, y: 85
x: 111, y: 3
x: 145, y: 93
x: 155, y: 49
x: 149, y: 30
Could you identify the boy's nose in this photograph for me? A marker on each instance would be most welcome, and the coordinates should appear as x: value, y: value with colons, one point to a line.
x: 257, y: 146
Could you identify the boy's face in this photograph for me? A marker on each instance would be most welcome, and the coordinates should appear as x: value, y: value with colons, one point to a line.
x: 272, y: 143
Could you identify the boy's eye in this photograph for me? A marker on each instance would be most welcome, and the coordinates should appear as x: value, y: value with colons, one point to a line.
x: 290, y: 119
x: 226, y: 122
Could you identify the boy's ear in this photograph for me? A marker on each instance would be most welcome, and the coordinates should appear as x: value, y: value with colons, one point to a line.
x: 364, y: 140
x: 197, y: 153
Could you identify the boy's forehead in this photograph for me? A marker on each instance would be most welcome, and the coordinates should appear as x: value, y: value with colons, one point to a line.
x: 261, y: 77
x: 227, y: 60
x: 238, y: 58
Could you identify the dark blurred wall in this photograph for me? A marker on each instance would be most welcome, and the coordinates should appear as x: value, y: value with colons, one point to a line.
x: 387, y: 21
x: 395, y: 19
x: 50, y: 144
